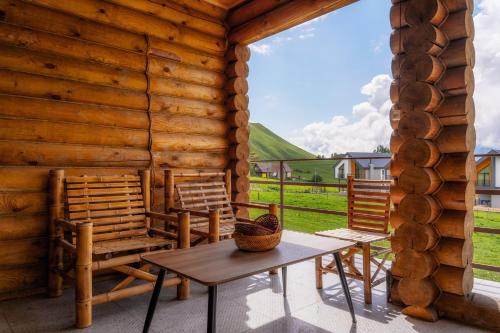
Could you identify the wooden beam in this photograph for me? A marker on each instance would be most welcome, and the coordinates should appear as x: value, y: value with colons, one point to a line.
x: 283, y: 17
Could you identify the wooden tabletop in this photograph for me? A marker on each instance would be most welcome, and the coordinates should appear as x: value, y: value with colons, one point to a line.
x: 221, y: 262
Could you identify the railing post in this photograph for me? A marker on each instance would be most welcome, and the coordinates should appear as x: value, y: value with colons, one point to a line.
x: 282, y: 195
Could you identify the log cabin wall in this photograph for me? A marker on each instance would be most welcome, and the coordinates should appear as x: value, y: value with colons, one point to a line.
x: 102, y: 87
x: 433, y: 145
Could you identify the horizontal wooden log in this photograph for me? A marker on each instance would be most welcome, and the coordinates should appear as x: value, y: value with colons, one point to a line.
x: 16, y: 83
x: 455, y: 224
x: 241, y: 197
x: 457, y: 5
x: 164, y: 86
x: 420, y: 67
x: 421, y: 209
x: 239, y: 151
x: 59, y: 132
x: 431, y: 11
x: 54, y: 110
x: 395, y: 142
x: 239, y: 135
x: 50, y: 154
x: 458, y: 25
x: 239, y: 167
x: 418, y: 124
x: 417, y: 180
x: 397, y: 15
x: 418, y: 292
x: 23, y: 251
x: 22, y: 203
x: 195, y: 7
x: 396, y: 220
x: 395, y: 90
x: 419, y: 152
x: 251, y: 10
x: 237, y: 69
x: 237, y: 85
x: 414, y: 264
x: 24, y: 226
x: 165, y: 122
x: 459, y: 52
x: 191, y: 160
x: 137, y: 22
x: 237, y: 102
x: 457, y: 81
x: 428, y: 313
x: 187, y: 107
x: 414, y: 236
x: 423, y: 38
x: 188, y: 143
x: 397, y: 39
x: 286, y: 16
x: 397, y: 194
x: 19, y: 278
x: 238, y: 118
x: 419, y: 96
x: 182, y: 18
x: 456, y: 139
x: 454, y: 252
x: 457, y: 195
x: 457, y: 167
x: 395, y: 116
x: 456, y: 110
x: 478, y: 309
x: 240, y: 184
x: 454, y: 280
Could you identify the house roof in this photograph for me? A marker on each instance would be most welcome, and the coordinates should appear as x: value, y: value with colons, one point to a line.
x: 482, y: 159
x: 272, y: 167
x: 378, y: 162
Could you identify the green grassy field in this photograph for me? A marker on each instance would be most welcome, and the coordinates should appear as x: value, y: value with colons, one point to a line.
x: 486, y: 247
x: 266, y: 145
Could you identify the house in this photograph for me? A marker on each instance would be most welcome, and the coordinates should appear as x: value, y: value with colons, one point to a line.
x: 271, y: 170
x: 488, y: 178
x: 360, y: 167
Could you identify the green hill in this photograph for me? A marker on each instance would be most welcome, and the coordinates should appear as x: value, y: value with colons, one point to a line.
x: 266, y: 145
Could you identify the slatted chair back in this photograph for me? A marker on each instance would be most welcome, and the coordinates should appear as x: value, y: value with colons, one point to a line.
x: 203, y: 191
x: 115, y: 205
x: 369, y: 204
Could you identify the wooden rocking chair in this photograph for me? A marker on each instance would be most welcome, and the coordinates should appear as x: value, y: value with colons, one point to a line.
x: 368, y: 219
x: 107, y: 226
x: 207, y: 201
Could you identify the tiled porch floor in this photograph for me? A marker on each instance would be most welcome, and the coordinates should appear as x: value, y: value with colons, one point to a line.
x: 254, y: 304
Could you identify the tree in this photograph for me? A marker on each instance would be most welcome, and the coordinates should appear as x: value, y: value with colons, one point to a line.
x: 316, y: 179
x: 381, y: 149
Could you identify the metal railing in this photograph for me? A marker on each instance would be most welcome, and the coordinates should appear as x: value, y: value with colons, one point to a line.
x: 282, y: 183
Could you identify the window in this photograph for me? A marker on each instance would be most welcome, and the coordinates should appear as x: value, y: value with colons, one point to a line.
x: 483, y: 177
x: 341, y: 171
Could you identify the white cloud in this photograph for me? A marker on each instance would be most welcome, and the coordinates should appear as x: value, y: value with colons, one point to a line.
x: 369, y: 128
x: 264, y: 49
x: 487, y: 73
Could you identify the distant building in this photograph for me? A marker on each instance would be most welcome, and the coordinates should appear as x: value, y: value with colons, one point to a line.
x: 374, y: 169
x: 488, y: 178
x: 271, y: 170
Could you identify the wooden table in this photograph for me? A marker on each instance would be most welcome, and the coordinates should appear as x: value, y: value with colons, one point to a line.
x: 217, y: 263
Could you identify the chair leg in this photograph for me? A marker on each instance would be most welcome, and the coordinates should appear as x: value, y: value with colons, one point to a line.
x: 319, y: 272
x: 367, y: 284
x: 55, y: 267
x: 83, y: 270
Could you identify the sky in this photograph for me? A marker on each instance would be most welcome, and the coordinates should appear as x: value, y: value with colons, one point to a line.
x: 324, y: 85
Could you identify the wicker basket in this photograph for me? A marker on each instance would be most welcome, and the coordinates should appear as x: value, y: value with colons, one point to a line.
x: 269, y: 221
x: 257, y: 243
x: 252, y: 229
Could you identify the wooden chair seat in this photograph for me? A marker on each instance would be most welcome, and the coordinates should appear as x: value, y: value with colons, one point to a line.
x: 225, y: 230
x: 358, y: 236
x: 112, y: 246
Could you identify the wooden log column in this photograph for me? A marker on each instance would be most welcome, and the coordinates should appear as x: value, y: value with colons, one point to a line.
x: 236, y: 88
x: 432, y: 144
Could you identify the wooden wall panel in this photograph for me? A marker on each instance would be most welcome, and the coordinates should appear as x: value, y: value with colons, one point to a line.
x: 101, y: 87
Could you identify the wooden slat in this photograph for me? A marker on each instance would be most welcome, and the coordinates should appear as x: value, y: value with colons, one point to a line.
x: 114, y: 219
x: 104, y: 199
x: 369, y: 193
x: 103, y: 185
x: 118, y: 227
x: 129, y: 244
x: 119, y: 234
x: 106, y: 205
x: 100, y: 179
x: 92, y: 192
x: 104, y: 213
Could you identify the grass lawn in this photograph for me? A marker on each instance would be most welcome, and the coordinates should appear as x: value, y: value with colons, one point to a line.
x: 486, y: 247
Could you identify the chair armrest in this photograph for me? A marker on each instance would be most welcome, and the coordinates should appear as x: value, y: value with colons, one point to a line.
x: 66, y: 224
x: 250, y: 205
x: 191, y: 212
x: 161, y: 216
x: 163, y: 233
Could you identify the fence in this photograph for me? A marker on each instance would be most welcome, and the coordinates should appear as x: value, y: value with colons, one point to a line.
x: 282, y: 183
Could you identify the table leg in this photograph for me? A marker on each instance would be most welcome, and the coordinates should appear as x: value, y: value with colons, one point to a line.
x: 212, y: 309
x: 283, y: 277
x: 154, y: 300
x: 343, y: 280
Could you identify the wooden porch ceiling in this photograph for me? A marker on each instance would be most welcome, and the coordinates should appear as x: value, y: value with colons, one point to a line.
x: 253, y: 20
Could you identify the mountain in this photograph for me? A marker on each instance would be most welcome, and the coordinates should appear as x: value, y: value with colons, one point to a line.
x: 267, y: 145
